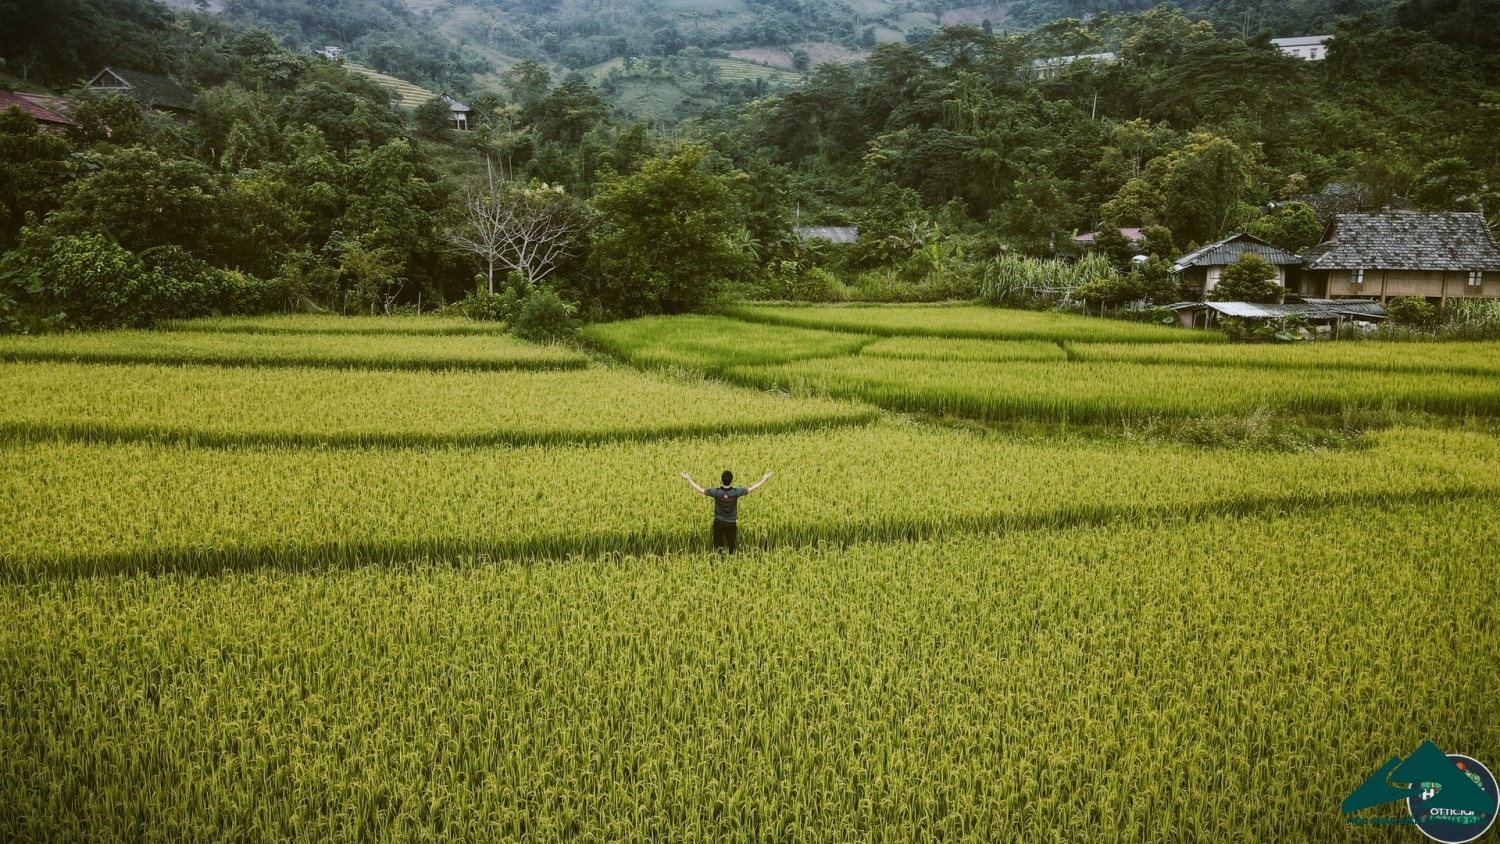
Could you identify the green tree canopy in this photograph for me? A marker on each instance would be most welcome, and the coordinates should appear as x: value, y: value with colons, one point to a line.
x: 1251, y: 279
x: 664, y: 237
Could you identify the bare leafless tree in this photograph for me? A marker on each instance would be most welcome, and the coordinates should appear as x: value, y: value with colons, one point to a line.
x: 528, y: 229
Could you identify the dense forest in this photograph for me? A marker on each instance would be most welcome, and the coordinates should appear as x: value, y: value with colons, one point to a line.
x: 295, y: 183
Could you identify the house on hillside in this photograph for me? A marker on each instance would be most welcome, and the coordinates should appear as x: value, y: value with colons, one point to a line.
x: 832, y: 234
x: 1048, y: 68
x: 1312, y: 48
x: 1441, y: 255
x: 1200, y: 269
x: 458, y: 113
x: 1130, y: 233
x: 148, y: 89
x: 42, y: 109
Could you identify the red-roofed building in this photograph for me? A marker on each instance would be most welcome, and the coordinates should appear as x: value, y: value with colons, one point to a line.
x: 32, y: 104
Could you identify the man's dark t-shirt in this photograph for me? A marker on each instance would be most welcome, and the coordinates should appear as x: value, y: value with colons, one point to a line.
x: 726, y: 502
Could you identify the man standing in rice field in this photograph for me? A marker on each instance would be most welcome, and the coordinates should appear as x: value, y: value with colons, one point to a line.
x: 726, y: 503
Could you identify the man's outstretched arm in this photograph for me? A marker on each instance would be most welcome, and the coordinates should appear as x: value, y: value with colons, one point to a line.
x: 753, y: 487
x: 695, y: 486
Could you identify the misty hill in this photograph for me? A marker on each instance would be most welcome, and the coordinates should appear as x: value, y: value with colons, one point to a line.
x: 663, y: 59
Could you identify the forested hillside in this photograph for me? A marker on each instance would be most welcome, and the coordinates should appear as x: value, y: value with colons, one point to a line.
x: 296, y: 184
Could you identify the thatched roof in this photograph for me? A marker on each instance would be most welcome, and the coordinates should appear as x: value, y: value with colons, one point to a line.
x: 1406, y: 240
x: 148, y: 89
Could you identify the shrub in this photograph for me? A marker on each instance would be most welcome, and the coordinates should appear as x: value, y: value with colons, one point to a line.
x: 1413, y: 311
x: 545, y: 317
x: 1251, y: 279
x: 86, y: 281
x: 89, y: 281
x: 1158, y: 314
x: 1111, y: 290
x: 816, y: 284
x: 485, y: 306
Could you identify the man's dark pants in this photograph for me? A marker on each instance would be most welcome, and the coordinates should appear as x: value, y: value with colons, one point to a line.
x: 724, y: 536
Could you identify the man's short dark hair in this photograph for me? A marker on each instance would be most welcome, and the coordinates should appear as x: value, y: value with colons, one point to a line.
x: 728, y: 478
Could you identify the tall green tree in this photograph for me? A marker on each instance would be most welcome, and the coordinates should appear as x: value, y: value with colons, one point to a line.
x: 664, y: 237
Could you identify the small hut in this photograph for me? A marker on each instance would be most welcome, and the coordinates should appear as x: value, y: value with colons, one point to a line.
x: 1201, y: 268
x: 148, y: 89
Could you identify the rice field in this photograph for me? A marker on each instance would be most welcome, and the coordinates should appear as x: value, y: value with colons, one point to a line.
x: 712, y: 343
x: 978, y: 322
x: 912, y: 361
x: 304, y: 324
x: 79, y: 507
x: 365, y: 350
x: 1105, y: 392
x: 944, y: 349
x: 1359, y: 356
x: 404, y: 93
x: 321, y: 407
x: 252, y: 594
x: 1089, y: 683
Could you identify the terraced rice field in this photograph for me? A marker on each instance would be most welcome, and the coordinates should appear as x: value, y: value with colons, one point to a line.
x: 1023, y: 390
x: 404, y: 93
x: 736, y: 70
x: 251, y: 593
x: 967, y: 321
x: 366, y: 350
x: 991, y: 365
x: 244, y: 405
x: 304, y: 324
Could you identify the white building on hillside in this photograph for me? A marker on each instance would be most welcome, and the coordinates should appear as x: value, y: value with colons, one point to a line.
x: 1313, y: 48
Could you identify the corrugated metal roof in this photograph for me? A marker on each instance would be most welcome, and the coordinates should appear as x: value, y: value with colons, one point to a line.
x: 1064, y: 61
x: 1314, y: 308
x: 837, y: 234
x: 1301, y: 40
x: 1229, y: 250
x: 1431, y: 241
x: 38, y: 112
